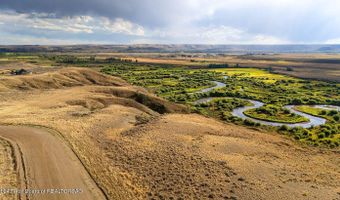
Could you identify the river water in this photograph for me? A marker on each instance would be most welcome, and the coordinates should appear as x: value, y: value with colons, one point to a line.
x: 239, y: 112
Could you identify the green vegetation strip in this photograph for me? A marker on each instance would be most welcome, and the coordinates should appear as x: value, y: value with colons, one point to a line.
x: 180, y: 84
x: 274, y: 113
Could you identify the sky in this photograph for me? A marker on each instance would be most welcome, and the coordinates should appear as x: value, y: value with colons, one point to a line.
x: 66, y: 22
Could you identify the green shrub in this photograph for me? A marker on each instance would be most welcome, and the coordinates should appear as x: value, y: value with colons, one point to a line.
x: 332, y: 112
x: 283, y: 128
x: 321, y: 135
x: 248, y: 122
x: 323, y: 112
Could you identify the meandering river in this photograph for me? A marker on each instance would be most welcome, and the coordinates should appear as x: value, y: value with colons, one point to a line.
x: 239, y: 112
x: 218, y: 85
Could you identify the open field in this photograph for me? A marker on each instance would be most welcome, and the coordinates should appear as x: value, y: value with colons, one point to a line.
x: 181, y: 85
x: 320, y: 62
x: 311, y: 66
x: 133, y: 152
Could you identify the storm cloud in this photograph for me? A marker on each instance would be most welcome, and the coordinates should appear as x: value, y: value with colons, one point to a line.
x: 171, y: 21
x: 148, y: 12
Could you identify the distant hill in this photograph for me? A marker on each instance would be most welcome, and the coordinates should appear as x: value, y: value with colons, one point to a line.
x: 159, y: 48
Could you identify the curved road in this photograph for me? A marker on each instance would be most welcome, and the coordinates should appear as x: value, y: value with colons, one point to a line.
x: 44, y: 161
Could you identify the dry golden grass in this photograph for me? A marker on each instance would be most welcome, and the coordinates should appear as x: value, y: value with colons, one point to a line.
x: 192, y: 157
x: 133, y: 152
x: 80, y: 109
x: 8, y: 175
x: 70, y: 77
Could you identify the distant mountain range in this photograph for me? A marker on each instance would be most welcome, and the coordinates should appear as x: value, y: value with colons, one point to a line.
x: 160, y: 48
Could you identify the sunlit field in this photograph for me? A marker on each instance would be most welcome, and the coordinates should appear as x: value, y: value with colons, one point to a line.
x: 183, y: 85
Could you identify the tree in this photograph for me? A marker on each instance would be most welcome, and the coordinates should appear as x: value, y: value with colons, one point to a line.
x: 297, y: 101
x: 283, y: 128
x: 290, y: 69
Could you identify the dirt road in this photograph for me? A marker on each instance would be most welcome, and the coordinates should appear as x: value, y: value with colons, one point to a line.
x: 46, y: 162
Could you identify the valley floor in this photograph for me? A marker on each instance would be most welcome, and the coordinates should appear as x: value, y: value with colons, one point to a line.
x: 134, y: 152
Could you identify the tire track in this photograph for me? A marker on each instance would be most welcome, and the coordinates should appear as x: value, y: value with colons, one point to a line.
x: 44, y: 161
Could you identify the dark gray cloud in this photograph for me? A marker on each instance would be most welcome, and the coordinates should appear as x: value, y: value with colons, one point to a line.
x: 147, y: 12
x: 176, y: 21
